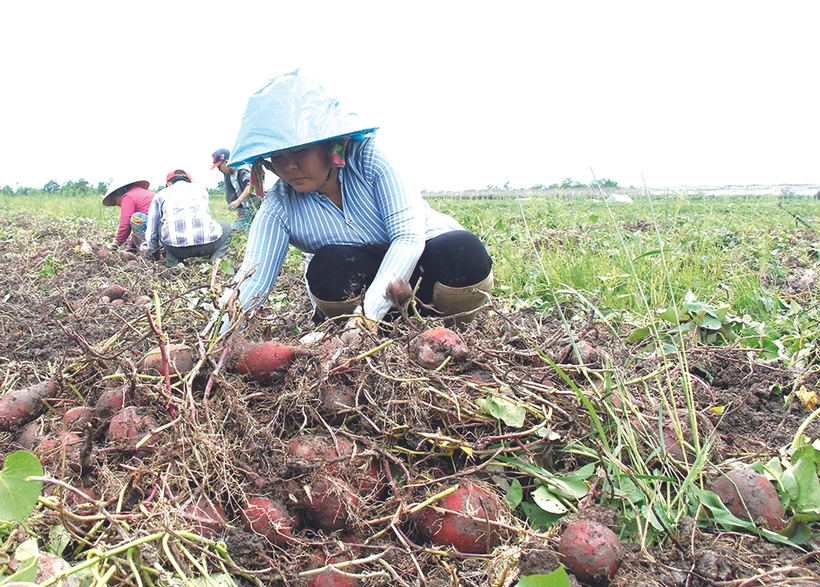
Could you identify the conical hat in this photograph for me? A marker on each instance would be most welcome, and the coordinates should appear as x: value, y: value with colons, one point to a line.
x: 290, y: 111
x: 109, y: 197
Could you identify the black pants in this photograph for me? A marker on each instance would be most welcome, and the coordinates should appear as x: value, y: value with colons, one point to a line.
x: 457, y: 259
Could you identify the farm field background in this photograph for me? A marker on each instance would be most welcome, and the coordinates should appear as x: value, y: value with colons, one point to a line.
x: 632, y: 355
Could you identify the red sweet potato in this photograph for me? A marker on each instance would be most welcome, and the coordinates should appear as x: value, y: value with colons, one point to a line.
x: 78, y: 418
x: 113, y: 292
x: 330, y: 578
x: 129, y: 426
x: 206, y: 517
x: 464, y: 526
x: 590, y: 551
x: 259, y: 361
x: 269, y: 518
x: 432, y: 347
x: 179, y: 356
x: 65, y: 448
x: 31, y: 435
x: 399, y: 292
x: 21, y: 406
x: 336, y: 401
x: 749, y: 495
x: 328, y: 503
x: 110, y: 402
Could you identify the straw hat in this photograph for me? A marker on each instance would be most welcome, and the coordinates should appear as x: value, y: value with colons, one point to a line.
x: 110, y: 197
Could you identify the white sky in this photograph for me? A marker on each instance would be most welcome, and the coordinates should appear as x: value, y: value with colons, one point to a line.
x: 467, y: 94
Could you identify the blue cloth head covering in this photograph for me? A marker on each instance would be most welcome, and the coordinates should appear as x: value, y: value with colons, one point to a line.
x: 290, y: 111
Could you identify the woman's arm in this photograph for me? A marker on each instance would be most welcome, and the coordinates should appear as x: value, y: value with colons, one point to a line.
x: 404, y: 217
x: 127, y: 208
x: 266, y: 249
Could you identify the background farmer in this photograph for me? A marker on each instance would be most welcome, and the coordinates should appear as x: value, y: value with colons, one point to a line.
x: 339, y: 199
x: 180, y: 221
x: 134, y: 199
x: 237, y: 190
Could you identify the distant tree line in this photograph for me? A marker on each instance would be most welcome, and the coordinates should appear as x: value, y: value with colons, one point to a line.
x: 76, y: 188
x: 567, y: 184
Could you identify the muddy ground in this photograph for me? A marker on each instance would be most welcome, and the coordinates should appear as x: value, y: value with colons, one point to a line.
x: 411, y: 431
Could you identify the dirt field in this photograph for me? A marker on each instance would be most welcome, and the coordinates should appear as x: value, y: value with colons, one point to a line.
x: 398, y: 432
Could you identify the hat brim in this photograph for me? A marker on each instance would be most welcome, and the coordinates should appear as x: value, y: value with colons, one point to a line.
x: 215, y: 165
x: 358, y: 135
x: 109, y: 199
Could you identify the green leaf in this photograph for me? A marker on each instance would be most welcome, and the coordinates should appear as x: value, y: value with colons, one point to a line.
x: 710, y: 323
x: 638, y: 334
x: 27, y: 555
x: 18, y: 496
x: 557, y: 578
x: 226, y: 268
x: 537, y: 517
x: 549, y: 502
x: 671, y: 315
x: 515, y: 494
x: 58, y: 539
x: 805, y: 473
x: 652, y: 253
x: 505, y: 410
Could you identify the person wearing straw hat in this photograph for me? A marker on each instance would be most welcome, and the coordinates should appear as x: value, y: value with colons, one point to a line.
x: 339, y: 199
x: 179, y: 221
x: 134, y: 199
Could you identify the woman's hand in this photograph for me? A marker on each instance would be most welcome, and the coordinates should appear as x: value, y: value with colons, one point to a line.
x: 234, y: 205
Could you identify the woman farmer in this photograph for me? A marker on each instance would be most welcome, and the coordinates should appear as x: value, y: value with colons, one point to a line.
x: 339, y: 199
x: 134, y: 200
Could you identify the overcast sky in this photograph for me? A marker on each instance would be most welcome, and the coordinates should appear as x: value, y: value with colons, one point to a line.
x: 467, y: 94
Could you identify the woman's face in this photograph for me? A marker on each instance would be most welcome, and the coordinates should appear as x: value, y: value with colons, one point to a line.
x: 304, y: 168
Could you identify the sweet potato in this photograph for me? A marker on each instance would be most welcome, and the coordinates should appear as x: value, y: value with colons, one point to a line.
x: 31, y: 435
x: 464, y: 525
x: 681, y: 450
x: 750, y: 496
x: 399, y: 292
x: 206, y: 517
x: 259, y: 361
x: 341, y: 459
x: 65, y: 448
x: 110, y: 402
x: 129, y: 426
x: 113, y: 292
x: 330, y: 578
x: 21, y: 406
x: 590, y: 551
x: 432, y: 347
x: 328, y: 502
x: 336, y: 400
x: 78, y: 418
x: 181, y: 361
x: 269, y: 518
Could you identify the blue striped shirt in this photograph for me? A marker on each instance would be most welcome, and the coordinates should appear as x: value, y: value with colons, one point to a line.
x: 180, y: 216
x: 377, y: 211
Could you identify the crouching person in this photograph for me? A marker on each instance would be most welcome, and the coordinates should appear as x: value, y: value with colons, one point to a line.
x: 339, y: 198
x: 179, y: 220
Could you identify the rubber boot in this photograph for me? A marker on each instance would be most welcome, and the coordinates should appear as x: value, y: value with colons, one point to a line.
x: 333, y: 309
x: 464, y: 301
